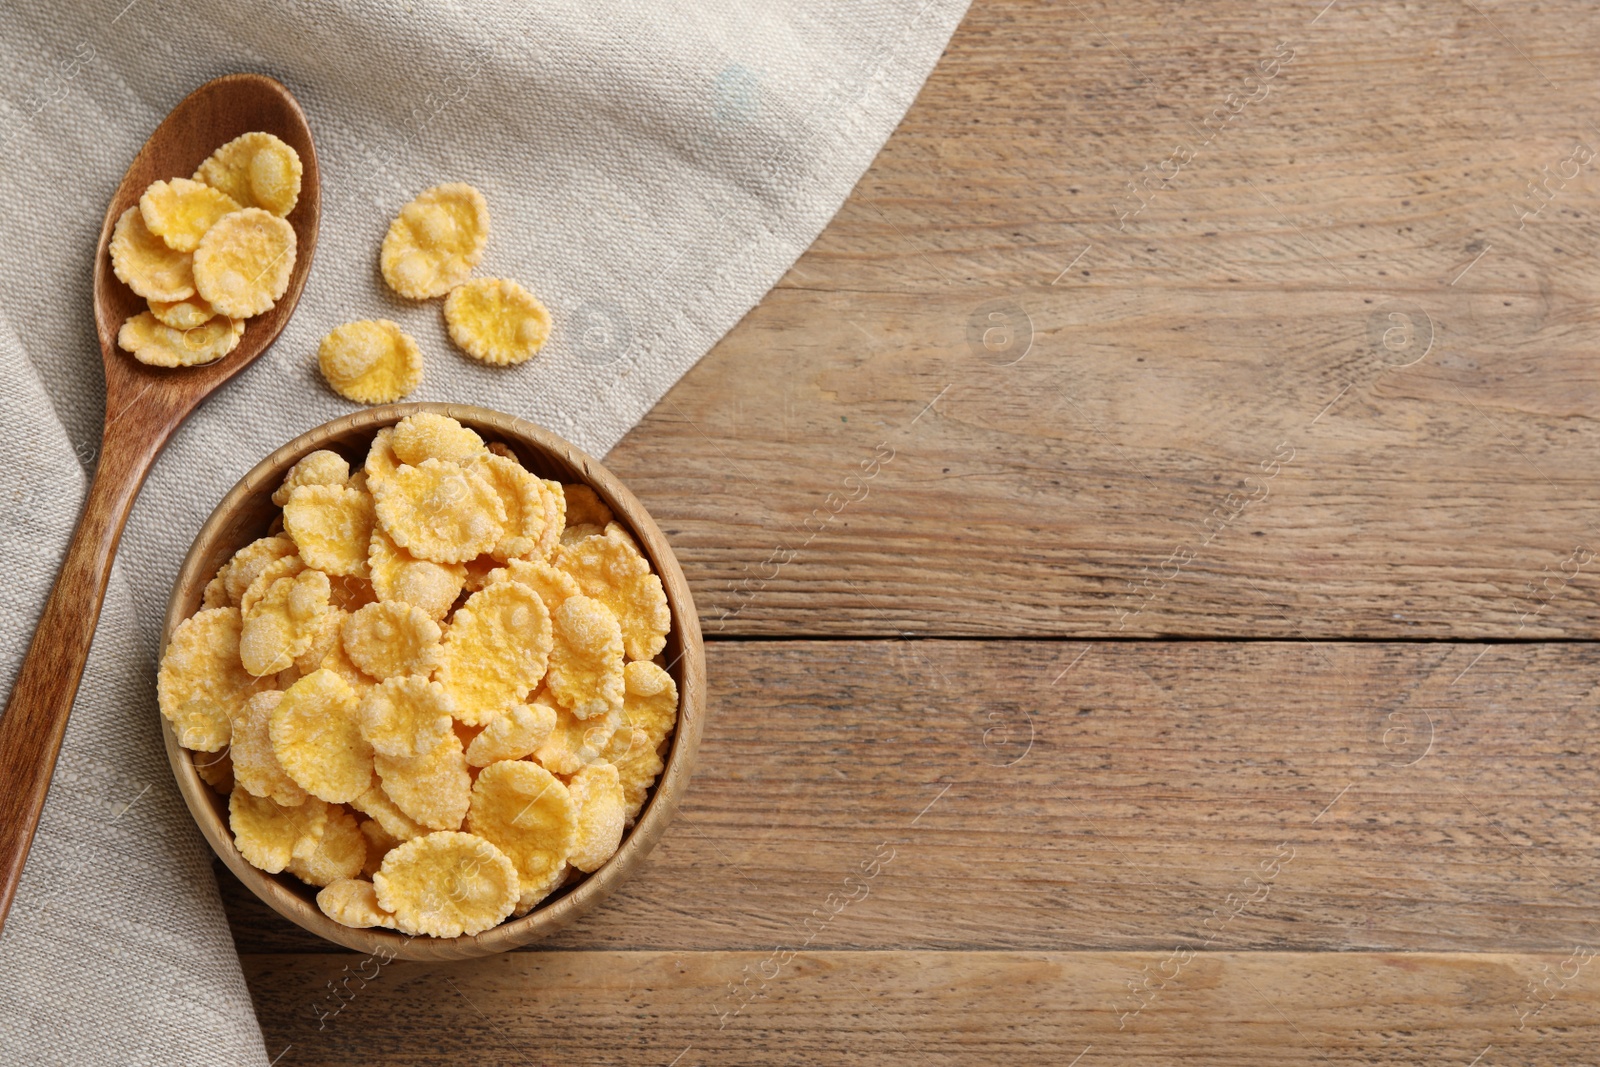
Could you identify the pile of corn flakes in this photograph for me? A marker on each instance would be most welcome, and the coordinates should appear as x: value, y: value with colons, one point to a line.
x: 208, y: 252
x: 436, y: 691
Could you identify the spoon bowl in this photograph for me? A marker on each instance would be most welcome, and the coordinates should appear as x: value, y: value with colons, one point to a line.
x: 144, y: 405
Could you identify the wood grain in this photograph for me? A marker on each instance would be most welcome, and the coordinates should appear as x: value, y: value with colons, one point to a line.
x: 1242, y: 312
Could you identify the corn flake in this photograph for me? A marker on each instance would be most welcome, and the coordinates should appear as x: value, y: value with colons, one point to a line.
x: 255, y: 766
x: 332, y: 526
x: 496, y: 651
x: 281, y: 625
x: 428, y: 435
x: 215, y: 770
x: 144, y: 263
x: 284, y: 567
x: 584, y: 506
x: 257, y: 170
x: 201, y: 684
x: 496, y: 321
x: 243, y: 263
x: 405, y: 716
x: 523, y: 496
x: 446, y: 884
x: 634, y: 756
x: 379, y: 842
x: 440, y: 512
x: 338, y: 852
x: 181, y: 211
x: 353, y: 902
x: 555, y: 518
x: 574, y: 743
x: 651, y: 700
x: 585, y: 657
x: 321, y: 467
x: 611, y: 570
x: 529, y: 815
x: 158, y: 345
x: 269, y: 835
x: 432, y: 789
x: 381, y: 462
x: 395, y: 823
x: 182, y: 314
x: 317, y: 738
x: 597, y: 792
x: 436, y: 240
x: 247, y: 564
x: 553, y: 586
x: 399, y: 576
x: 512, y: 734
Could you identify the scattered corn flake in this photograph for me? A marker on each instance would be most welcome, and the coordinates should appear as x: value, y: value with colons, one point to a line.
x: 332, y: 526
x: 158, y: 345
x: 399, y: 576
x: 634, y: 755
x: 512, y: 734
x: 215, y: 770
x: 181, y: 211
x: 318, y: 741
x: 338, y: 852
x: 651, y: 700
x: 429, y: 435
x: 281, y: 625
x: 255, y: 765
x: 553, y: 586
x: 574, y: 743
x: 269, y: 835
x: 529, y: 815
x: 439, y: 511
x: 379, y: 842
x: 406, y: 715
x: 353, y: 902
x: 496, y: 321
x: 321, y: 467
x: 585, y: 657
x: 432, y: 789
x: 611, y: 570
x: 215, y: 594
x: 144, y: 263
x: 523, y: 496
x: 446, y: 884
x: 597, y: 792
x: 182, y: 314
x: 371, y: 362
x: 257, y: 170
x: 395, y: 823
x: 201, y: 684
x: 436, y: 240
x: 496, y: 650
x: 584, y: 506
x: 248, y: 563
x: 243, y: 263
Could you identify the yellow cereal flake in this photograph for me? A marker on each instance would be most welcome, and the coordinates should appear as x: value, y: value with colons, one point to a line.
x: 585, y: 657
x: 243, y: 263
x: 144, y: 263
x: 584, y: 506
x: 317, y: 738
x: 523, y: 496
x: 215, y: 770
x: 553, y: 586
x: 446, y: 884
x: 422, y: 583
x: 201, y: 685
x: 428, y: 435
x: 405, y: 716
x: 651, y: 700
x: 381, y: 462
x: 332, y: 527
x: 181, y: 211
x: 257, y: 170
x: 379, y: 842
x: 439, y: 511
x: 432, y: 789
x: 338, y: 852
x: 555, y: 518
x: 326, y: 639
x: 597, y: 792
x: 611, y: 570
x: 321, y: 467
x: 527, y: 813
x: 182, y: 314
x: 158, y: 345
x: 255, y: 766
x: 353, y: 902
x: 512, y: 734
x: 496, y: 321
x: 496, y: 651
x: 638, y: 765
x: 281, y: 625
x: 504, y: 451
x: 370, y: 362
x: 571, y: 535
x: 269, y: 835
x: 436, y: 240
x: 575, y: 743
x: 395, y: 823
x: 247, y: 564
x: 215, y: 594
x: 392, y: 638
x: 284, y: 567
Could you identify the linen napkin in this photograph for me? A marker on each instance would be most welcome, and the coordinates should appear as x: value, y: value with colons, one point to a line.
x: 651, y: 168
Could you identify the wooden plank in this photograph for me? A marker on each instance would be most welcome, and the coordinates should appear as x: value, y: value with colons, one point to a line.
x: 1043, y: 796
x: 1237, y: 324
x: 1051, y: 1008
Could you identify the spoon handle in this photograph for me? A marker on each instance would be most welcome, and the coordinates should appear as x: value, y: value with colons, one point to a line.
x: 36, y: 715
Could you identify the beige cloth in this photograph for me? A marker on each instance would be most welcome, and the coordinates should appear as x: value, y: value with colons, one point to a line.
x: 651, y: 169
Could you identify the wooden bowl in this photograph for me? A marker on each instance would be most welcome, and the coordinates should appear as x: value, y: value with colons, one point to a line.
x: 244, y: 514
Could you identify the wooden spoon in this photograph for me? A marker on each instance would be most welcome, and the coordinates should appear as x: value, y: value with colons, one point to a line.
x: 144, y: 405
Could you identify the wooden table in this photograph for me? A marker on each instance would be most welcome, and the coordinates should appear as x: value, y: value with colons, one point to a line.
x: 1149, y: 559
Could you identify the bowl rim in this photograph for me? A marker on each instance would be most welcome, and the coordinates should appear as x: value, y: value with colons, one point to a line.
x: 688, y: 671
